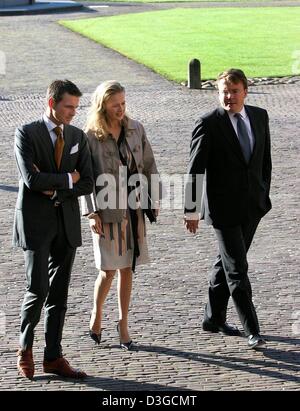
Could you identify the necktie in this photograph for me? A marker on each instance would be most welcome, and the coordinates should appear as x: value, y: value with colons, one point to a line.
x: 243, y: 137
x: 59, y: 145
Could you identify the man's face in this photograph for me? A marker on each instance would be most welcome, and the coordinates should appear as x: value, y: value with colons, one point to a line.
x: 64, y: 111
x: 232, y: 95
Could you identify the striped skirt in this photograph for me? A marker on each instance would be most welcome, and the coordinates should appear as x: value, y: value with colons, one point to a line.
x: 114, y: 248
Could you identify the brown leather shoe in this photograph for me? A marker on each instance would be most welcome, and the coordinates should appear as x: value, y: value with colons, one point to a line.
x: 25, y: 363
x: 60, y: 366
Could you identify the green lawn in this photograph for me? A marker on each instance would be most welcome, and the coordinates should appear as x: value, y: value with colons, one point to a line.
x: 261, y: 41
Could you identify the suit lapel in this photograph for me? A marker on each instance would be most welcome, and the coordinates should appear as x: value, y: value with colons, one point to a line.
x: 229, y: 133
x: 46, y: 140
x: 257, y: 140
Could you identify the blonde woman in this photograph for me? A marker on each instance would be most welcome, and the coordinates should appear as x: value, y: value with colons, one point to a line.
x: 119, y: 149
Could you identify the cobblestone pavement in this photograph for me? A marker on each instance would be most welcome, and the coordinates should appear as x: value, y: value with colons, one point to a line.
x: 173, y: 353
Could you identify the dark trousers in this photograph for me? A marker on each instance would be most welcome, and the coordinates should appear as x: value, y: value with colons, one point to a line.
x: 229, y: 277
x: 48, y: 271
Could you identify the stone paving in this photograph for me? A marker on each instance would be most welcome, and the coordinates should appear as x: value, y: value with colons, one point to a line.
x: 173, y: 353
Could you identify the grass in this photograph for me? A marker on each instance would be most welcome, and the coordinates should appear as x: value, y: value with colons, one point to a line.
x: 261, y: 41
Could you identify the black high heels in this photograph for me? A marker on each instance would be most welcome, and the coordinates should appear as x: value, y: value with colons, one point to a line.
x: 95, y: 337
x: 125, y: 346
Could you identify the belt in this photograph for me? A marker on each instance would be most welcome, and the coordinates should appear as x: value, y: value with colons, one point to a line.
x: 57, y: 203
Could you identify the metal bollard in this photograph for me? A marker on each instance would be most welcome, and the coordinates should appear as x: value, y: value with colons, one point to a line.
x: 194, y: 74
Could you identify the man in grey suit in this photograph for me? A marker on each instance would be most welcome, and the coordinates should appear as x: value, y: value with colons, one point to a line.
x: 231, y: 146
x: 55, y: 169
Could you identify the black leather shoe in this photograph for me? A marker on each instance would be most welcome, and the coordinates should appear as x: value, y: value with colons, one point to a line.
x: 95, y: 337
x: 255, y: 341
x: 224, y: 329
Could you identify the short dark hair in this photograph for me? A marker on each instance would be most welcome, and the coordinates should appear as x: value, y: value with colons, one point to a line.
x: 58, y: 88
x: 234, y: 76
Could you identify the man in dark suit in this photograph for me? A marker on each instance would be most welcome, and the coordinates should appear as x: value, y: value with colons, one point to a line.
x: 230, y: 147
x: 55, y: 169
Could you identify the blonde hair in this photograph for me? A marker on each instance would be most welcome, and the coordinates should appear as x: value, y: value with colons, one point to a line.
x: 97, y: 120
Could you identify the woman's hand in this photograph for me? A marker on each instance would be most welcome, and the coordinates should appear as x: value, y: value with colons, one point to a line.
x: 95, y: 223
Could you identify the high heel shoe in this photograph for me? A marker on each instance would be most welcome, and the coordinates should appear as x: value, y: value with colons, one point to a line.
x: 95, y: 337
x: 125, y: 346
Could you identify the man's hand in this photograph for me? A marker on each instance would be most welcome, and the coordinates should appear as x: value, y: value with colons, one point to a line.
x: 95, y: 223
x: 191, y: 225
x: 75, y: 176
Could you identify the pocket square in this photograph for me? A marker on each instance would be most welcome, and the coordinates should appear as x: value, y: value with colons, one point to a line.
x: 74, y: 149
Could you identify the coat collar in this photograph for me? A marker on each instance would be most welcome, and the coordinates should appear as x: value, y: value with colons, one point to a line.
x: 132, y: 124
x: 256, y: 135
x: 45, y: 135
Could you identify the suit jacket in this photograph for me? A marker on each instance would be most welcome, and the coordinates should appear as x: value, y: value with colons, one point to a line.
x: 233, y: 190
x: 35, y: 214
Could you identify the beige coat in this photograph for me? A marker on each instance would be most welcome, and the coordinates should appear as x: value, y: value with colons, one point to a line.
x: 106, y: 161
